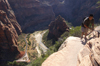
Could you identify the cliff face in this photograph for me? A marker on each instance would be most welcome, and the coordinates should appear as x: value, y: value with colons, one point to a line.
x: 37, y: 14
x: 84, y: 8
x: 57, y: 27
x: 4, y: 5
x: 32, y: 14
x: 9, y: 30
x: 75, y: 10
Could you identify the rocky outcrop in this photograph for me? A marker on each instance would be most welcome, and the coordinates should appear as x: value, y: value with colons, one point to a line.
x: 77, y: 52
x: 67, y: 54
x: 9, y: 30
x: 57, y: 27
x: 90, y: 53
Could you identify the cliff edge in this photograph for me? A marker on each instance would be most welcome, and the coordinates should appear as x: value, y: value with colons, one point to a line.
x: 77, y: 52
x: 90, y: 53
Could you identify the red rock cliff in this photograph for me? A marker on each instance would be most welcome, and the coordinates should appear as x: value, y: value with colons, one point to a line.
x: 4, y: 5
x: 9, y: 30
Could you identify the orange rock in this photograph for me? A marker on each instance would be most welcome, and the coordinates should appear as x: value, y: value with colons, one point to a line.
x: 9, y: 30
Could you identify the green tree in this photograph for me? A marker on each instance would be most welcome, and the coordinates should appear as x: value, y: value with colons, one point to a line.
x: 98, y: 4
x: 75, y: 31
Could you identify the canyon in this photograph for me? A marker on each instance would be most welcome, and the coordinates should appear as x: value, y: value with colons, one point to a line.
x: 37, y: 14
x: 33, y: 15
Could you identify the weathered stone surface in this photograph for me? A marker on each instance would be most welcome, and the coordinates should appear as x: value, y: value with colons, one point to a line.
x: 73, y: 52
x: 57, y: 27
x: 9, y: 30
x: 87, y: 56
x: 90, y: 54
x: 86, y: 61
x: 4, y: 5
x: 67, y: 54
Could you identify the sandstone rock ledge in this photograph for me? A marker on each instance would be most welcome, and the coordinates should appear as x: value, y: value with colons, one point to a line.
x: 90, y: 53
x: 67, y: 54
x: 76, y: 52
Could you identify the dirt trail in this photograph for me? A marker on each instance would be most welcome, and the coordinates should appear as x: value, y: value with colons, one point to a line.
x: 25, y: 57
x: 40, y: 45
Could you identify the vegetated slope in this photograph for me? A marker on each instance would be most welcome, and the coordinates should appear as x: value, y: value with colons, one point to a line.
x: 74, y: 31
x: 31, y: 47
x: 9, y: 30
x: 37, y: 14
x: 52, y: 48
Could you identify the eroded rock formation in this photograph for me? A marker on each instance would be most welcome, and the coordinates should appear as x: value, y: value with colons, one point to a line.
x: 57, y: 27
x: 5, y: 6
x: 90, y: 54
x: 9, y: 30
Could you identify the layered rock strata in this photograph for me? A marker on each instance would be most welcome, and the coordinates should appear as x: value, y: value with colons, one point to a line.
x: 9, y: 30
